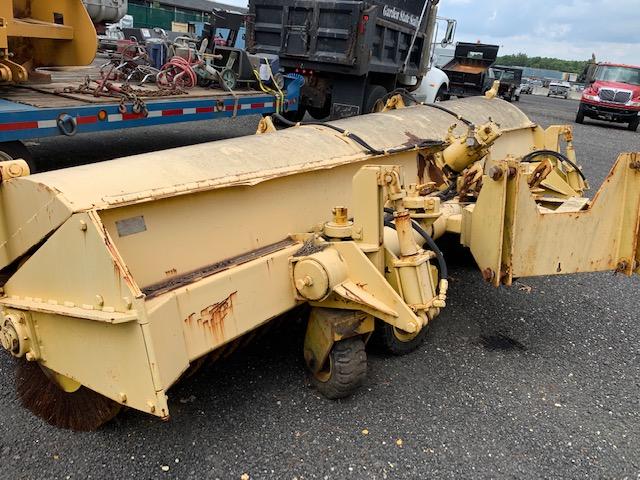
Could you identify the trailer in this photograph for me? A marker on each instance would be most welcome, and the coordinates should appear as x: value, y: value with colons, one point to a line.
x: 61, y: 108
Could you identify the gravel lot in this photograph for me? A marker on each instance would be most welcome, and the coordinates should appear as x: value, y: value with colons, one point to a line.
x: 561, y: 401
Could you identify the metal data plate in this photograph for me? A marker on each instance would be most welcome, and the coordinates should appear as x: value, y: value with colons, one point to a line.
x: 131, y: 226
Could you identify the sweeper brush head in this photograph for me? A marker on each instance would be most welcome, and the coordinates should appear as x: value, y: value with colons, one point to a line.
x: 83, y: 410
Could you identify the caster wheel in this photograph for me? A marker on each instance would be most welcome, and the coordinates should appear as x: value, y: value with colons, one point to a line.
x: 398, y: 342
x: 345, y: 370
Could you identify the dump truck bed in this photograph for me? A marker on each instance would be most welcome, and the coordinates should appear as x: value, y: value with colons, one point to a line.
x: 467, y: 70
x: 34, y: 111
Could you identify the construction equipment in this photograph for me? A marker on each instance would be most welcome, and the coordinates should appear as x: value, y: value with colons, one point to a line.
x: 41, y: 33
x: 112, y: 289
x: 106, y: 11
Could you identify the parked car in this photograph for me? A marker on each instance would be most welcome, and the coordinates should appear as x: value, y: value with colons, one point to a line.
x: 526, y: 88
x: 559, y: 90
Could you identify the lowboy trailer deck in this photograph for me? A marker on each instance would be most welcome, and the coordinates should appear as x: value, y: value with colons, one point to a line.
x: 62, y: 108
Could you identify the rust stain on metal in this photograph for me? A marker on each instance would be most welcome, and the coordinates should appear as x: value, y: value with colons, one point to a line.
x: 422, y: 165
x: 435, y: 173
x: 212, y: 317
x: 488, y: 275
x: 120, y: 270
x: 349, y: 326
x: 622, y: 266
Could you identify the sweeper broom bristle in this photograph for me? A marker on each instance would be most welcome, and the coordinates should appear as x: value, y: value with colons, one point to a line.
x: 83, y: 410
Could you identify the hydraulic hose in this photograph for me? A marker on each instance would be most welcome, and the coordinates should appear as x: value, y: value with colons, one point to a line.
x: 443, y: 271
x: 370, y: 150
x: 528, y: 158
x: 404, y: 93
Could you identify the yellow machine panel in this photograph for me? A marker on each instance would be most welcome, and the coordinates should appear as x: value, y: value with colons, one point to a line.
x: 43, y: 33
x: 114, y: 288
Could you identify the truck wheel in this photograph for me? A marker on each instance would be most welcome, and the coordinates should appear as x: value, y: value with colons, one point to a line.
x: 319, y: 113
x: 345, y: 371
x: 295, y: 116
x: 397, y: 342
x: 15, y: 150
x: 633, y: 125
x: 580, y: 115
x: 372, y: 94
x: 442, y: 95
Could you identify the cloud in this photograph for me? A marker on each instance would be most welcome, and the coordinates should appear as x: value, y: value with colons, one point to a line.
x: 570, y: 29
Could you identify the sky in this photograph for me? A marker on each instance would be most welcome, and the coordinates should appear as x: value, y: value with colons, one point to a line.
x: 567, y: 29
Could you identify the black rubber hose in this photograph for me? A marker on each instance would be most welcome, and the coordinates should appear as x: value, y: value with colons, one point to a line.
x: 407, y: 95
x: 443, y: 271
x: 449, y: 192
x: 528, y: 158
x: 370, y: 150
x: 468, y: 123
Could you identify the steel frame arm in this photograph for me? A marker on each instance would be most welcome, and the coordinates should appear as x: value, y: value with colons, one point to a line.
x: 511, y: 237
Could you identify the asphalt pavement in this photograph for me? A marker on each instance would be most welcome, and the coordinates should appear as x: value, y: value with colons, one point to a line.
x: 541, y: 380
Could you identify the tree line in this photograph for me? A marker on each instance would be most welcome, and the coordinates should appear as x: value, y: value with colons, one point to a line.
x: 523, y: 60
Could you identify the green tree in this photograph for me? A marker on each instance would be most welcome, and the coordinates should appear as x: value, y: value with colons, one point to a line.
x: 523, y: 60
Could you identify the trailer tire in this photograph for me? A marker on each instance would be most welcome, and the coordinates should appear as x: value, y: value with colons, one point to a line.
x: 580, y: 115
x: 634, y: 124
x: 372, y: 95
x: 396, y: 342
x: 346, y: 369
x: 15, y: 150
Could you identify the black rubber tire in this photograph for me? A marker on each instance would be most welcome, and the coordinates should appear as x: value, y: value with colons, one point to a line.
x: 15, y: 150
x: 442, y: 95
x: 386, y: 338
x: 296, y: 116
x: 346, y: 372
x: 372, y: 94
x: 319, y: 113
x: 580, y: 115
x: 633, y: 125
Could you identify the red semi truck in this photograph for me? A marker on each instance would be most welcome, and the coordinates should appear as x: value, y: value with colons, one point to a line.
x: 612, y: 94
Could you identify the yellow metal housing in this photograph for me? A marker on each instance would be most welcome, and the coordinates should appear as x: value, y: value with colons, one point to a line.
x: 127, y: 271
x: 43, y: 33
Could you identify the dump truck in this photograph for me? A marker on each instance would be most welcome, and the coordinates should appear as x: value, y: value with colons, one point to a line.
x: 350, y: 53
x: 113, y: 290
x: 469, y: 71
